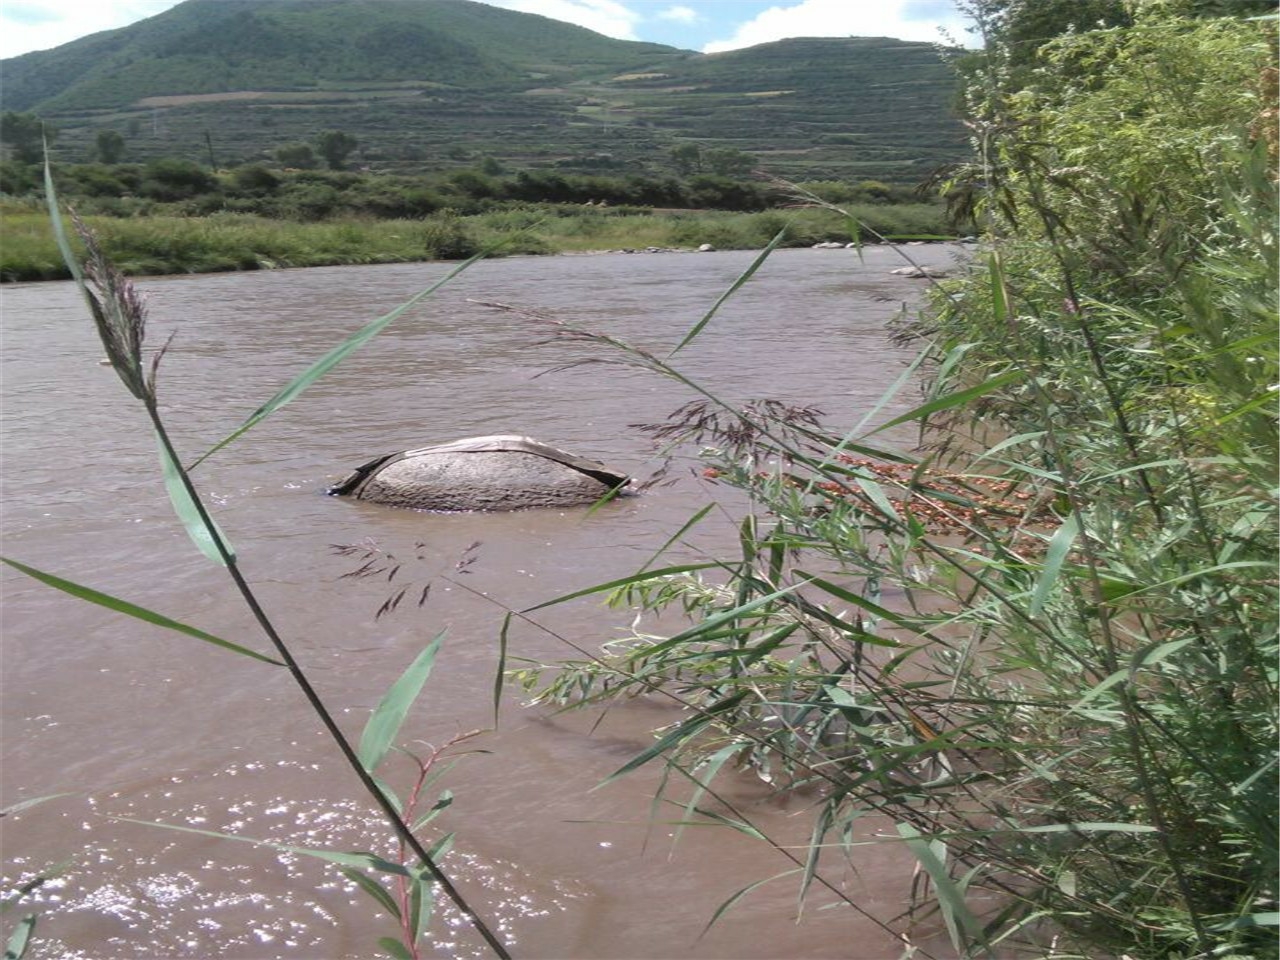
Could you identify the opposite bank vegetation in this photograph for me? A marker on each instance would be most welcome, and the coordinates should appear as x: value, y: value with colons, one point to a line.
x: 152, y: 245
x: 176, y: 216
x: 1045, y: 663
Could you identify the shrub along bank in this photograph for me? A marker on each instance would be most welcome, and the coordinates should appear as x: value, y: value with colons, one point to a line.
x: 1044, y: 665
x: 176, y: 216
x: 235, y: 241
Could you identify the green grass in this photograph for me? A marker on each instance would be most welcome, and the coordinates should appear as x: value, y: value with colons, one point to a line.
x: 228, y: 242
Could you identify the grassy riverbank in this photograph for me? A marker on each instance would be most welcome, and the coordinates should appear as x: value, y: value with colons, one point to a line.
x: 151, y: 245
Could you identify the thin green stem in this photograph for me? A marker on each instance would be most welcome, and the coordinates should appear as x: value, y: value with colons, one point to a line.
x: 392, y: 816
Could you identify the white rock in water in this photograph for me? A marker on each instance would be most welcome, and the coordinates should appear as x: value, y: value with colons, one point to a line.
x: 706, y: 248
x: 919, y: 273
x: 503, y: 472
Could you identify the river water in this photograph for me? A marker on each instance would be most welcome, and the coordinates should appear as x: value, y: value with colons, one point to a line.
x: 134, y: 723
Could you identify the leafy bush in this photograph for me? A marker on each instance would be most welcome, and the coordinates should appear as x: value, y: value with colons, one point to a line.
x: 172, y: 179
x: 17, y: 178
x: 445, y: 237
x: 1042, y: 647
x: 309, y: 201
x: 254, y: 179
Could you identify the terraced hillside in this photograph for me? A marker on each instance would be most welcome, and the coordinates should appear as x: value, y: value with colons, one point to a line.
x: 861, y: 107
x: 424, y: 85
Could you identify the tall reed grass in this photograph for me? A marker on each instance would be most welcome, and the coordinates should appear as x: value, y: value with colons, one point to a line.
x: 119, y: 315
x: 1040, y: 651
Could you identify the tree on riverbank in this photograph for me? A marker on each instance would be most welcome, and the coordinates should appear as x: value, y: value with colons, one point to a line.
x: 335, y: 146
x: 109, y: 146
x: 174, y: 215
x: 25, y: 134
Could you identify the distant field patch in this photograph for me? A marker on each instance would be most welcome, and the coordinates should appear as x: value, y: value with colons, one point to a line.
x: 275, y: 96
x: 769, y: 93
x: 625, y: 77
x: 181, y: 100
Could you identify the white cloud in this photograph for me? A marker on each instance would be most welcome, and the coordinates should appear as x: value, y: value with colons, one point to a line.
x: 41, y: 24
x: 603, y: 16
x: 679, y: 14
x: 904, y: 19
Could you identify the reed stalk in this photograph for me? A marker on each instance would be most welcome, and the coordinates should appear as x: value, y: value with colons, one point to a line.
x: 119, y: 315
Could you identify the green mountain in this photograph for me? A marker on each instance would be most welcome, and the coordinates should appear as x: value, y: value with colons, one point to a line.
x: 423, y: 84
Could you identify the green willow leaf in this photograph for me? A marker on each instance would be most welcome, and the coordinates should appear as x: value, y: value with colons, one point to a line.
x: 672, y: 737
x: 1154, y: 653
x: 440, y: 849
x: 957, y: 399
x: 59, y: 230
x: 1098, y: 827
x: 862, y: 603
x: 384, y: 724
x: 1054, y: 556
x: 950, y: 897
x: 133, y: 610
x: 1266, y: 399
x: 624, y: 581
x: 706, y: 629
x: 728, y: 904
x: 500, y: 674
x: 1008, y: 442
x: 422, y: 904
x: 361, y: 861
x: 739, y: 825
x: 16, y: 948
x: 394, y: 948
x: 28, y: 804
x: 1250, y: 920
x: 745, y: 276
x: 1196, y: 574
x: 1119, y: 676
x: 387, y: 792
x: 999, y: 295
x: 374, y: 889
x: 877, y: 496
x: 185, y: 507
x: 708, y: 773
x: 443, y: 803
x: 339, y: 353
x: 820, y: 827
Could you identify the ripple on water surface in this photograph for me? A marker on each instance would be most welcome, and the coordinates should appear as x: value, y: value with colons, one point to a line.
x: 138, y: 723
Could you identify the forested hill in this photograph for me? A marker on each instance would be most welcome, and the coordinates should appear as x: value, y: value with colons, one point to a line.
x: 212, y: 46
x: 418, y: 82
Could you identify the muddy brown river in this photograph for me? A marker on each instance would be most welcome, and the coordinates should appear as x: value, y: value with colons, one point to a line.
x: 130, y: 722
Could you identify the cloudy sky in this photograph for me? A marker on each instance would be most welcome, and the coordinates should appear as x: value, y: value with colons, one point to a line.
x: 708, y: 25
